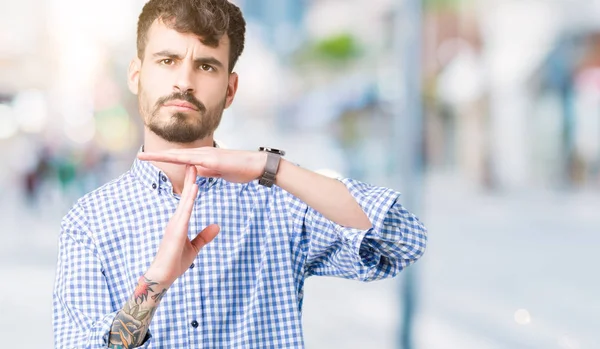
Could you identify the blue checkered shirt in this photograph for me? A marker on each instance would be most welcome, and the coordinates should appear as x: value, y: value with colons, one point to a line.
x: 245, y: 289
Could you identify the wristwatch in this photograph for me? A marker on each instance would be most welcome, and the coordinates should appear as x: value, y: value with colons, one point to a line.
x: 273, y: 157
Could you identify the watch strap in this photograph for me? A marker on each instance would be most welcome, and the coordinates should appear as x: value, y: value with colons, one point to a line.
x: 271, y: 167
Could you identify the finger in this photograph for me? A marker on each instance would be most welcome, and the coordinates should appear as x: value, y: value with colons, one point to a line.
x: 172, y: 157
x: 206, y: 172
x: 205, y: 236
x: 186, y: 179
x: 190, y: 177
x: 189, y: 193
x: 199, y: 151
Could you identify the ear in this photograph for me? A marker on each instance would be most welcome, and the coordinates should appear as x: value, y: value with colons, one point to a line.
x: 133, y: 75
x: 232, y: 87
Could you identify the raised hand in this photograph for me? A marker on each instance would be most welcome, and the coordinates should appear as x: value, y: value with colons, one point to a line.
x: 176, y: 252
x: 232, y: 165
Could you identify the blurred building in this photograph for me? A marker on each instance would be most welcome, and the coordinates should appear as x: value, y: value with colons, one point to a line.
x: 281, y: 22
x: 489, y: 70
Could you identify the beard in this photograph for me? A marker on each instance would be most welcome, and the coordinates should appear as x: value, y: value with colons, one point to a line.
x: 181, y: 127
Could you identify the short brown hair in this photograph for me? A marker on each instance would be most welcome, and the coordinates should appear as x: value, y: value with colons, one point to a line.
x: 209, y: 19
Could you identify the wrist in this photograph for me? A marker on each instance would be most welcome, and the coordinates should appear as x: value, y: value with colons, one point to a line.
x: 281, y: 170
x: 262, y: 163
x: 148, y: 291
x: 154, y: 275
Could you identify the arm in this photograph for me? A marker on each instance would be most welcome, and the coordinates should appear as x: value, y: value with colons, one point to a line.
x: 327, y: 196
x: 82, y: 310
x: 130, y: 326
x: 395, y: 240
x: 354, y: 230
x: 174, y: 256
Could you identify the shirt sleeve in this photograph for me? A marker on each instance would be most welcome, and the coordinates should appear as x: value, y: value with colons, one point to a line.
x: 82, y: 311
x: 396, y: 239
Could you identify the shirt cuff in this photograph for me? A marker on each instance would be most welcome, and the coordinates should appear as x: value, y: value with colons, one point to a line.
x: 368, y: 257
x: 376, y: 202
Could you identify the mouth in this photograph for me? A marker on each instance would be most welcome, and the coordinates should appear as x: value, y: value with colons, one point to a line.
x: 181, y: 105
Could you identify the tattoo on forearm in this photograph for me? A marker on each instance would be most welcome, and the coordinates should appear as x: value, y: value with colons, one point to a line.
x: 157, y: 297
x: 131, y: 323
x: 143, y: 287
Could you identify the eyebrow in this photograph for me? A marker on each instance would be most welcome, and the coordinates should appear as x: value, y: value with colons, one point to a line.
x: 200, y: 60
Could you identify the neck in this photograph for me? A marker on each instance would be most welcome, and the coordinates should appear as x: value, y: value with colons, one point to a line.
x: 176, y: 173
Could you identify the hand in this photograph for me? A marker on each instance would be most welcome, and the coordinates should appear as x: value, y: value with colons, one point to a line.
x: 176, y: 252
x: 232, y: 165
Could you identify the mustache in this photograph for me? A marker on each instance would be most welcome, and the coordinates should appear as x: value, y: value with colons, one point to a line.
x: 183, y: 97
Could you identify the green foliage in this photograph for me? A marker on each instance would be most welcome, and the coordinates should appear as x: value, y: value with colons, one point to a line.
x: 443, y: 4
x: 334, y: 50
x: 340, y: 47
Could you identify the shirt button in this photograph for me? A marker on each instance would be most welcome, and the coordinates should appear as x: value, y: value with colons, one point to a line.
x: 194, y: 324
x: 163, y: 178
x: 153, y: 185
x: 192, y: 266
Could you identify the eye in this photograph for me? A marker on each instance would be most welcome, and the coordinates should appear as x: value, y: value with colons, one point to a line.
x: 206, y: 67
x: 166, y: 61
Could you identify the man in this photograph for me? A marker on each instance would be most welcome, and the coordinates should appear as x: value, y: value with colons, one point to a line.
x: 132, y: 269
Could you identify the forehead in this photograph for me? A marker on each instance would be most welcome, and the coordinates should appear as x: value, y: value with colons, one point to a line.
x: 161, y: 37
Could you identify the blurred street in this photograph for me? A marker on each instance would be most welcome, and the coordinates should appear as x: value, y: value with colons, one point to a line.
x: 488, y: 257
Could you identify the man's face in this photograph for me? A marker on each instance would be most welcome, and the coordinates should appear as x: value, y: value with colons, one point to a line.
x: 182, y: 85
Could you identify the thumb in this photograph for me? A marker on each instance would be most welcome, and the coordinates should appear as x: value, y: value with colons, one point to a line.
x: 205, y: 236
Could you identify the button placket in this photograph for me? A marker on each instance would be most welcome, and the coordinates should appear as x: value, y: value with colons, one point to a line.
x: 192, y: 285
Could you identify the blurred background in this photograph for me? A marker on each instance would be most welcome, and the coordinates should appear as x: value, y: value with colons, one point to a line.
x: 485, y: 114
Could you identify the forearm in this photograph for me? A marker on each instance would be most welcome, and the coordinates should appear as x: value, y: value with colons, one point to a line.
x: 131, y: 323
x: 326, y: 195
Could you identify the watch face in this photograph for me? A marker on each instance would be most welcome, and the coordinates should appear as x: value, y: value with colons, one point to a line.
x: 272, y: 150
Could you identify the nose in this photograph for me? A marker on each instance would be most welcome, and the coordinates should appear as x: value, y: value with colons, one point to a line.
x: 183, y: 83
